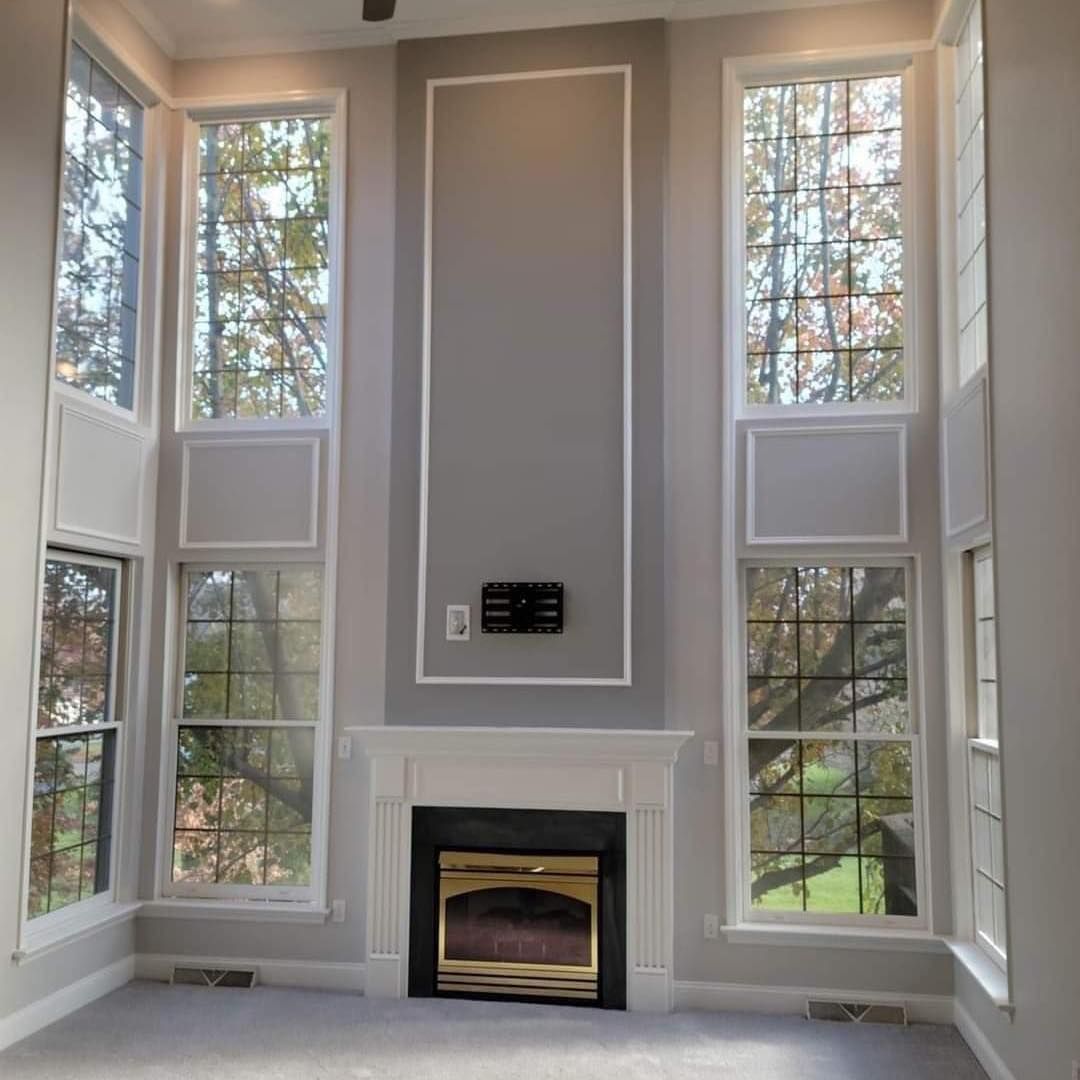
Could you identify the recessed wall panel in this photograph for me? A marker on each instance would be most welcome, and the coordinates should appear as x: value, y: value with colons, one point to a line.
x: 967, y: 498
x: 250, y: 493
x: 99, y: 478
x: 526, y: 368
x: 834, y: 484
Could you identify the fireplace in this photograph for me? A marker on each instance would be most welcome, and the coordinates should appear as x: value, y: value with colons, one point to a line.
x: 520, y: 924
x: 520, y: 905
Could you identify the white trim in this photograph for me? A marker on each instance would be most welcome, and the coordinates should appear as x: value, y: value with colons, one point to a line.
x: 822, y: 936
x: 338, y: 976
x: 55, y: 1006
x: 86, y: 25
x: 791, y: 1000
x: 979, y: 1044
x: 331, y: 103
x: 753, y: 538
x: 981, y: 967
x: 977, y: 384
x: 257, y: 903
x: 625, y: 679
x: 309, y: 541
x: 250, y: 910
x: 82, y: 921
x: 125, y: 430
x: 842, y: 63
x: 44, y: 928
x: 741, y: 914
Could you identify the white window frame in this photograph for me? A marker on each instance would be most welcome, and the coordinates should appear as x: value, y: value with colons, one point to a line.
x: 741, y: 73
x: 322, y: 103
x: 191, y: 893
x: 741, y: 911
x: 980, y: 746
x: 142, y: 404
x: 56, y: 925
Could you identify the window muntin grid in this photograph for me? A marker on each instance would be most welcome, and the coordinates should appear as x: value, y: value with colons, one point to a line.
x: 252, y: 644
x: 75, y: 734
x: 986, y: 706
x: 244, y: 783
x: 830, y: 784
x: 71, y: 819
x: 823, y: 219
x: 98, y: 268
x: 988, y: 849
x: 262, y: 273
x: 243, y: 805
x: 971, y: 261
x: 77, y: 644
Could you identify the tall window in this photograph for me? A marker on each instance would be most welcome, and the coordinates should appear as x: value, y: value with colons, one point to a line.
x: 246, y: 734
x: 98, y: 270
x: 76, y: 733
x: 971, y: 197
x: 984, y: 767
x: 262, y: 279
x: 824, y: 235
x: 829, y: 742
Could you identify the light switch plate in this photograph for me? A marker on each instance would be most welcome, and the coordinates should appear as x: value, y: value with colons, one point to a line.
x: 344, y: 747
x: 712, y: 927
x: 458, y: 622
x: 712, y: 752
x: 337, y: 910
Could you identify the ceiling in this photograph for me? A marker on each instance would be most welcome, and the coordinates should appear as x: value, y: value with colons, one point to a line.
x: 196, y: 28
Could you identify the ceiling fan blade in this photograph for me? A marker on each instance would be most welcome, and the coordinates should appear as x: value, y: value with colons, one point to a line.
x: 378, y: 10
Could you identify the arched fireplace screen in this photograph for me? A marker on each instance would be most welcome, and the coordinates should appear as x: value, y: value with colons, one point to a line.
x: 518, y: 924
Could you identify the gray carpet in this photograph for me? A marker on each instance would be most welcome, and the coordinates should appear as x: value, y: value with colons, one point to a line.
x: 158, y: 1032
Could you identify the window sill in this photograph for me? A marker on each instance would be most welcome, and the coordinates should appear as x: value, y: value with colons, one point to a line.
x: 266, y: 911
x: 840, y: 937
x: 37, y: 942
x: 994, y: 981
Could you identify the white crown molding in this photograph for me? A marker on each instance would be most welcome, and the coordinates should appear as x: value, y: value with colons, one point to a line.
x: 549, y: 15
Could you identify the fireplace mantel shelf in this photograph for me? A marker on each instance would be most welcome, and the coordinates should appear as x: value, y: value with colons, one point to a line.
x: 562, y: 743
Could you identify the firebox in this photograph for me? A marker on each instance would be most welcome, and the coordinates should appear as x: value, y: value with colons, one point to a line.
x: 518, y: 924
x: 518, y: 905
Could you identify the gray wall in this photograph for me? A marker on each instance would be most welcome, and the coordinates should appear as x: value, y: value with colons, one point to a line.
x: 31, y: 87
x: 582, y: 543
x: 694, y: 413
x: 1034, y: 234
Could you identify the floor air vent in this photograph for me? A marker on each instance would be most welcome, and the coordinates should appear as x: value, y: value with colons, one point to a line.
x: 851, y: 1012
x: 237, y: 978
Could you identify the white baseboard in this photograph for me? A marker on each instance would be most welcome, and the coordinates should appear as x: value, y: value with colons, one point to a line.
x: 308, y: 974
x: 980, y: 1045
x: 33, y: 1017
x: 744, y: 997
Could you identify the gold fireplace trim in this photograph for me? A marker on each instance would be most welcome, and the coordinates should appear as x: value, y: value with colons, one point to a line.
x: 575, y: 876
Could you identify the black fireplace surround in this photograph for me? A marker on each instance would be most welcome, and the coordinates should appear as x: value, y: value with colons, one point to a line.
x: 561, y: 832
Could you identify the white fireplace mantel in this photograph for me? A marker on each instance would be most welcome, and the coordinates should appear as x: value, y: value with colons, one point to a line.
x: 628, y: 771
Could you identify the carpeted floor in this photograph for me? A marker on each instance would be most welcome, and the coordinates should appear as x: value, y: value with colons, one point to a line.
x: 150, y: 1031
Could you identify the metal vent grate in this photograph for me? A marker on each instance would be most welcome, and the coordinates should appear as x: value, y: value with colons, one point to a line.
x: 237, y: 978
x: 856, y: 1012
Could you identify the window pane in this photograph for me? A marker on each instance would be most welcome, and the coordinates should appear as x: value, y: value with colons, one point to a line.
x: 823, y: 168
x: 831, y: 818
x: 253, y: 644
x: 77, y: 641
x: 262, y: 286
x: 243, y: 806
x: 71, y: 819
x: 97, y: 272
